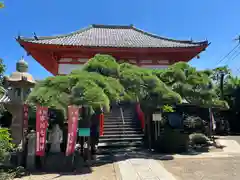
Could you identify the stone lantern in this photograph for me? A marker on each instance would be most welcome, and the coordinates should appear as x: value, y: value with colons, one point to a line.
x: 19, y: 85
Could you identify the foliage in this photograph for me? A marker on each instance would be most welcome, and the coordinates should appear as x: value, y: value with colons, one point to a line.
x: 146, y: 87
x: 217, y: 72
x: 2, y: 70
x: 103, y: 64
x: 194, y: 124
x: 195, y: 87
x: 1, y: 5
x: 167, y: 108
x: 220, y: 76
x: 11, y: 173
x: 198, y: 139
x: 5, y: 143
x: 89, y: 93
x: 103, y: 81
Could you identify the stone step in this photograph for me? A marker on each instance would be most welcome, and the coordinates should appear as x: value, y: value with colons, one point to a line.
x: 121, y: 123
x: 124, y: 138
x: 119, y: 120
x: 114, y: 151
x: 121, y: 131
x: 120, y: 126
x: 122, y: 135
x: 118, y: 117
x: 120, y: 144
x: 119, y: 113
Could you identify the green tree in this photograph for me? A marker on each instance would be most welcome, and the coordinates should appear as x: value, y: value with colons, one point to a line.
x: 1, y: 5
x: 195, y: 87
x: 102, y: 81
x: 220, y: 76
x: 5, y: 143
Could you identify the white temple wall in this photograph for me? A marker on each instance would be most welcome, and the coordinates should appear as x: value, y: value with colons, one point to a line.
x: 68, y: 68
x: 65, y: 66
x: 155, y: 66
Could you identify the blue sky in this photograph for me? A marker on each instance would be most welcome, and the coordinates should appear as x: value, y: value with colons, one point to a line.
x: 215, y: 20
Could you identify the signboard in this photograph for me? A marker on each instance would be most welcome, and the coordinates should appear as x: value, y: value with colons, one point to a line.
x: 73, y: 113
x: 84, y: 132
x: 41, y: 129
x: 157, y: 117
x: 25, y: 117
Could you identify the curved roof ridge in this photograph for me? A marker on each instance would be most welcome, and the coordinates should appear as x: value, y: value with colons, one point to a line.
x: 168, y: 39
x: 94, y: 34
x: 57, y: 36
x: 112, y: 26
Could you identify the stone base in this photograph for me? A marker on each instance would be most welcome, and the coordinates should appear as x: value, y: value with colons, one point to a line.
x: 59, y: 162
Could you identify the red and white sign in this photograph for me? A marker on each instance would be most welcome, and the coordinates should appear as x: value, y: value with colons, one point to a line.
x: 72, y: 129
x: 25, y: 116
x: 41, y: 129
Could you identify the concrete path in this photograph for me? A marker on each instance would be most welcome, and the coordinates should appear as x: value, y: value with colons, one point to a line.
x: 230, y: 146
x: 143, y: 169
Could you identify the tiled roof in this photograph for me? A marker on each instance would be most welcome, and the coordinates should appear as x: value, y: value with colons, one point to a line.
x: 113, y: 36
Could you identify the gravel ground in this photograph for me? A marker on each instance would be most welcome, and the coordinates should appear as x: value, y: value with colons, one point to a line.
x: 204, y: 169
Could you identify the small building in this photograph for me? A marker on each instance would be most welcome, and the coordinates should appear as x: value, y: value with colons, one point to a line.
x: 64, y: 53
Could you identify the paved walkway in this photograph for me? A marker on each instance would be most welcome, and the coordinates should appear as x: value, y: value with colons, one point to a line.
x: 230, y: 146
x: 151, y: 167
x: 143, y: 169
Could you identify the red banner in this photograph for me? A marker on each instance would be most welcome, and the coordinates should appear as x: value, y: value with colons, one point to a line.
x: 101, y: 118
x: 41, y: 129
x: 73, y: 113
x: 140, y: 115
x: 25, y: 117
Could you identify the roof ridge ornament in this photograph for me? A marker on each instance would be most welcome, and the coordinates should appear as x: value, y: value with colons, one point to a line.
x: 35, y: 36
x: 22, y: 65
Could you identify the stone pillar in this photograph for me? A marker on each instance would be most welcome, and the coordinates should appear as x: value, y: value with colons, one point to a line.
x: 31, y: 151
x: 16, y: 109
x: 56, y: 139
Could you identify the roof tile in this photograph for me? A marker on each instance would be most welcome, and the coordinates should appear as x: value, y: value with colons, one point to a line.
x: 113, y: 36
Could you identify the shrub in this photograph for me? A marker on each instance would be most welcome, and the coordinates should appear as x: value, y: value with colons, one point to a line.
x: 5, y: 143
x: 194, y: 124
x: 198, y: 139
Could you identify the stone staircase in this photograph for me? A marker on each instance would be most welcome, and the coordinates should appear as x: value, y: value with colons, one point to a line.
x: 120, y: 136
